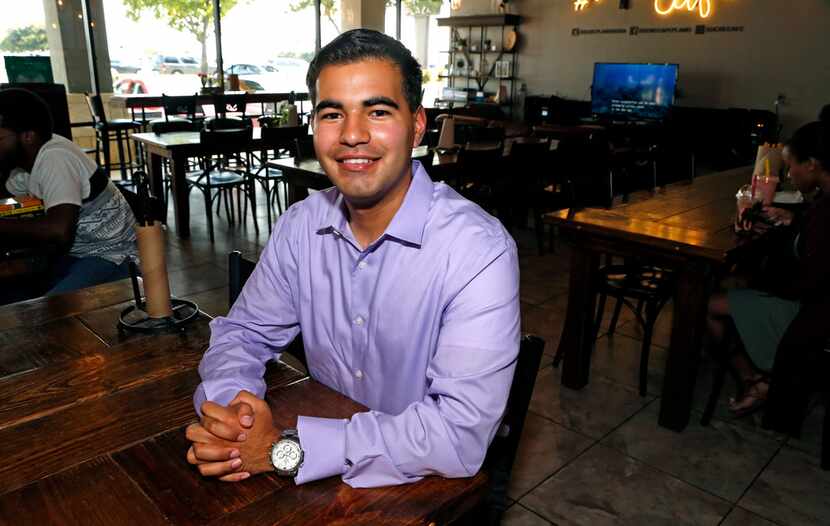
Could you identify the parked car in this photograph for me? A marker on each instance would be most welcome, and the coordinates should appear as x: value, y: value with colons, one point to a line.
x: 281, y: 75
x: 176, y: 64
x: 121, y: 66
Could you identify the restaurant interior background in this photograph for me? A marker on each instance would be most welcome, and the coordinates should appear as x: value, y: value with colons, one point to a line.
x: 753, y: 54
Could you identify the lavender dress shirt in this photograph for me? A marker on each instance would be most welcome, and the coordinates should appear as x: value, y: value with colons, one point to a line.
x: 422, y: 327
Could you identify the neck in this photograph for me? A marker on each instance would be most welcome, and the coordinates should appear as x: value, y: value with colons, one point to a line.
x: 27, y: 161
x: 824, y: 183
x: 369, y: 223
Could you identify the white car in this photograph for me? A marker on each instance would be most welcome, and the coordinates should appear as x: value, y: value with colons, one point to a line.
x: 276, y: 77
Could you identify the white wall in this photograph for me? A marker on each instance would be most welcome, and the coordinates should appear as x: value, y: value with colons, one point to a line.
x: 784, y: 49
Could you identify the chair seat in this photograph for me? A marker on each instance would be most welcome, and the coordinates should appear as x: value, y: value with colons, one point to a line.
x: 119, y: 124
x: 260, y: 172
x: 637, y: 281
x: 217, y: 178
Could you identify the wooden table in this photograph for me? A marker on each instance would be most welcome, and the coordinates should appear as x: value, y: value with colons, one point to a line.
x: 92, y: 431
x: 687, y: 227
x: 178, y: 147
x: 139, y: 102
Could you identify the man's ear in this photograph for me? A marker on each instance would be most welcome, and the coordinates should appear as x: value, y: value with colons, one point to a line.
x: 420, y: 126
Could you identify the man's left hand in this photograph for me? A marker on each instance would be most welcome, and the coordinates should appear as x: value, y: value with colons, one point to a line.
x: 232, y: 461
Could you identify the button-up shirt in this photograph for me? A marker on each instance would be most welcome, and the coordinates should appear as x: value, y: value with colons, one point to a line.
x: 421, y: 326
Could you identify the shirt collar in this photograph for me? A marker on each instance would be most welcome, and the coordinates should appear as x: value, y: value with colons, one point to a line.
x: 409, y: 221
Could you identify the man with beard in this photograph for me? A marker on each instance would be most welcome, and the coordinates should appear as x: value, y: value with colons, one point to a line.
x: 87, y: 219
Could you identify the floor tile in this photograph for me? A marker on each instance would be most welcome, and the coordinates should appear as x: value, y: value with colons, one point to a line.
x: 721, y: 459
x: 792, y: 490
x: 593, y: 411
x: 617, y: 357
x: 519, y: 516
x: 604, y: 486
x: 741, y: 517
x: 544, y: 448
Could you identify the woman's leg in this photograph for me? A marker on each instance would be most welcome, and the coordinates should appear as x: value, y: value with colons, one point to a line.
x: 719, y: 322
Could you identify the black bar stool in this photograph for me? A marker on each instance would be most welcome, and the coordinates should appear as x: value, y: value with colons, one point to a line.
x: 106, y: 131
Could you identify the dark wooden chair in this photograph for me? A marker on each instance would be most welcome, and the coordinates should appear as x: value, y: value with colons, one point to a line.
x: 650, y: 286
x: 217, y: 175
x: 502, y: 452
x: 108, y: 131
x: 283, y: 141
x: 239, y: 270
x: 480, y: 174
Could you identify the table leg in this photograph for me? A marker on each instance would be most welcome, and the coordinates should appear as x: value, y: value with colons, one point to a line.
x: 181, y: 200
x: 688, y: 327
x: 578, y: 334
x: 155, y: 176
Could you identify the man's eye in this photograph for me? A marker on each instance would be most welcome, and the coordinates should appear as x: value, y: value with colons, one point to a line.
x: 379, y: 113
x: 329, y: 116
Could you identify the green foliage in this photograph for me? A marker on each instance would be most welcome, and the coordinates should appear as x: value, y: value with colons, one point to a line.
x: 28, y: 38
x: 328, y: 8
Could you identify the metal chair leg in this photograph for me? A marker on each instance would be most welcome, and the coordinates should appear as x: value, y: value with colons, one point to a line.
x: 615, y: 317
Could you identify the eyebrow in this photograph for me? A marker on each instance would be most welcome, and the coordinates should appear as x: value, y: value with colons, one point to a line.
x: 368, y: 103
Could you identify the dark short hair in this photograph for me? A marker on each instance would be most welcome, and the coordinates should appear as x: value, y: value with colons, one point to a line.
x: 21, y: 110
x: 812, y: 141
x: 361, y: 44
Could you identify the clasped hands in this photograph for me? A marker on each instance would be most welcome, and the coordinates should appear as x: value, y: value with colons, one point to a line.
x: 232, y: 443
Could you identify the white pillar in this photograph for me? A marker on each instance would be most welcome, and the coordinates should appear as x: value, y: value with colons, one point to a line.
x: 368, y: 14
x: 67, y: 45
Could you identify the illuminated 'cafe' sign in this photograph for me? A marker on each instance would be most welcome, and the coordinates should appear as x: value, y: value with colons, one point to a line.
x: 665, y: 7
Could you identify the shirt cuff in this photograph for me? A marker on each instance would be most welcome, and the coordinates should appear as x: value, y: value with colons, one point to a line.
x: 222, y: 398
x: 324, y: 448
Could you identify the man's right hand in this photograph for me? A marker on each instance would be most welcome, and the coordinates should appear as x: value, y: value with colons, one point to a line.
x: 215, y: 439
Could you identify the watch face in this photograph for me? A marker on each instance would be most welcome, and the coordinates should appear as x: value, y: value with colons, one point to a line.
x: 286, y: 455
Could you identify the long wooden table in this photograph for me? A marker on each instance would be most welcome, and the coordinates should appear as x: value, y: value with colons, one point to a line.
x: 178, y: 147
x: 688, y: 227
x: 92, y: 431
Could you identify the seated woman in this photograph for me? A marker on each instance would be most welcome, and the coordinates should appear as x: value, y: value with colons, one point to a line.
x: 761, y: 317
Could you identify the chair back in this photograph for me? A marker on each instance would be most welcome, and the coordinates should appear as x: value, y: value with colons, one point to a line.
x: 235, y: 104
x: 239, y: 270
x: 285, y: 139
x: 502, y: 451
x: 181, y: 106
x: 96, y: 109
x: 478, y: 164
x: 54, y: 95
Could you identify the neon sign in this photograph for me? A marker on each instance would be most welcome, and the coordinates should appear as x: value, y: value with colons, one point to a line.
x: 579, y: 5
x: 667, y: 7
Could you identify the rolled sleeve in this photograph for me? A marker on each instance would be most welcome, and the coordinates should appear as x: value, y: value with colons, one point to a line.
x: 324, y: 448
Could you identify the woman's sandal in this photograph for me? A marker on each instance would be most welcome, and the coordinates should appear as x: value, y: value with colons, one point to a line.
x: 752, y: 400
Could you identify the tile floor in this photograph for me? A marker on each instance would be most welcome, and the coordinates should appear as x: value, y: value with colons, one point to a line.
x: 597, y: 456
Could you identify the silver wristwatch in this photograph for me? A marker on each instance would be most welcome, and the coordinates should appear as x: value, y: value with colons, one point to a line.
x: 286, y: 454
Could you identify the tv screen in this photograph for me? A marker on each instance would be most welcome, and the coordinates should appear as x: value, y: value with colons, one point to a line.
x: 633, y: 91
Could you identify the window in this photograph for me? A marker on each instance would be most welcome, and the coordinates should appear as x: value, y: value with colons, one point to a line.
x: 23, y: 43
x: 422, y: 36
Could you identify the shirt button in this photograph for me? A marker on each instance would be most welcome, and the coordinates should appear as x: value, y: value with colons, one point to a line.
x: 359, y: 320
x: 358, y: 374
x: 361, y: 265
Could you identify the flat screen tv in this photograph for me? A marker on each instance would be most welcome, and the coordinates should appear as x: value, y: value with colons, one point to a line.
x: 633, y: 91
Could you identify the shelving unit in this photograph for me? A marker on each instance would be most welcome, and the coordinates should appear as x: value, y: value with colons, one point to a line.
x: 477, y: 60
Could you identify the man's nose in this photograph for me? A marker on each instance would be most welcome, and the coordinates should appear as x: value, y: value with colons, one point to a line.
x: 354, y: 131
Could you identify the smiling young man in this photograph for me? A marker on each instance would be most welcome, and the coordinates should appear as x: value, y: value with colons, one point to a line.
x: 405, y: 293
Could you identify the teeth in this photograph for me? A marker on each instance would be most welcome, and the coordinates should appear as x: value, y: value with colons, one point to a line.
x: 357, y: 161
